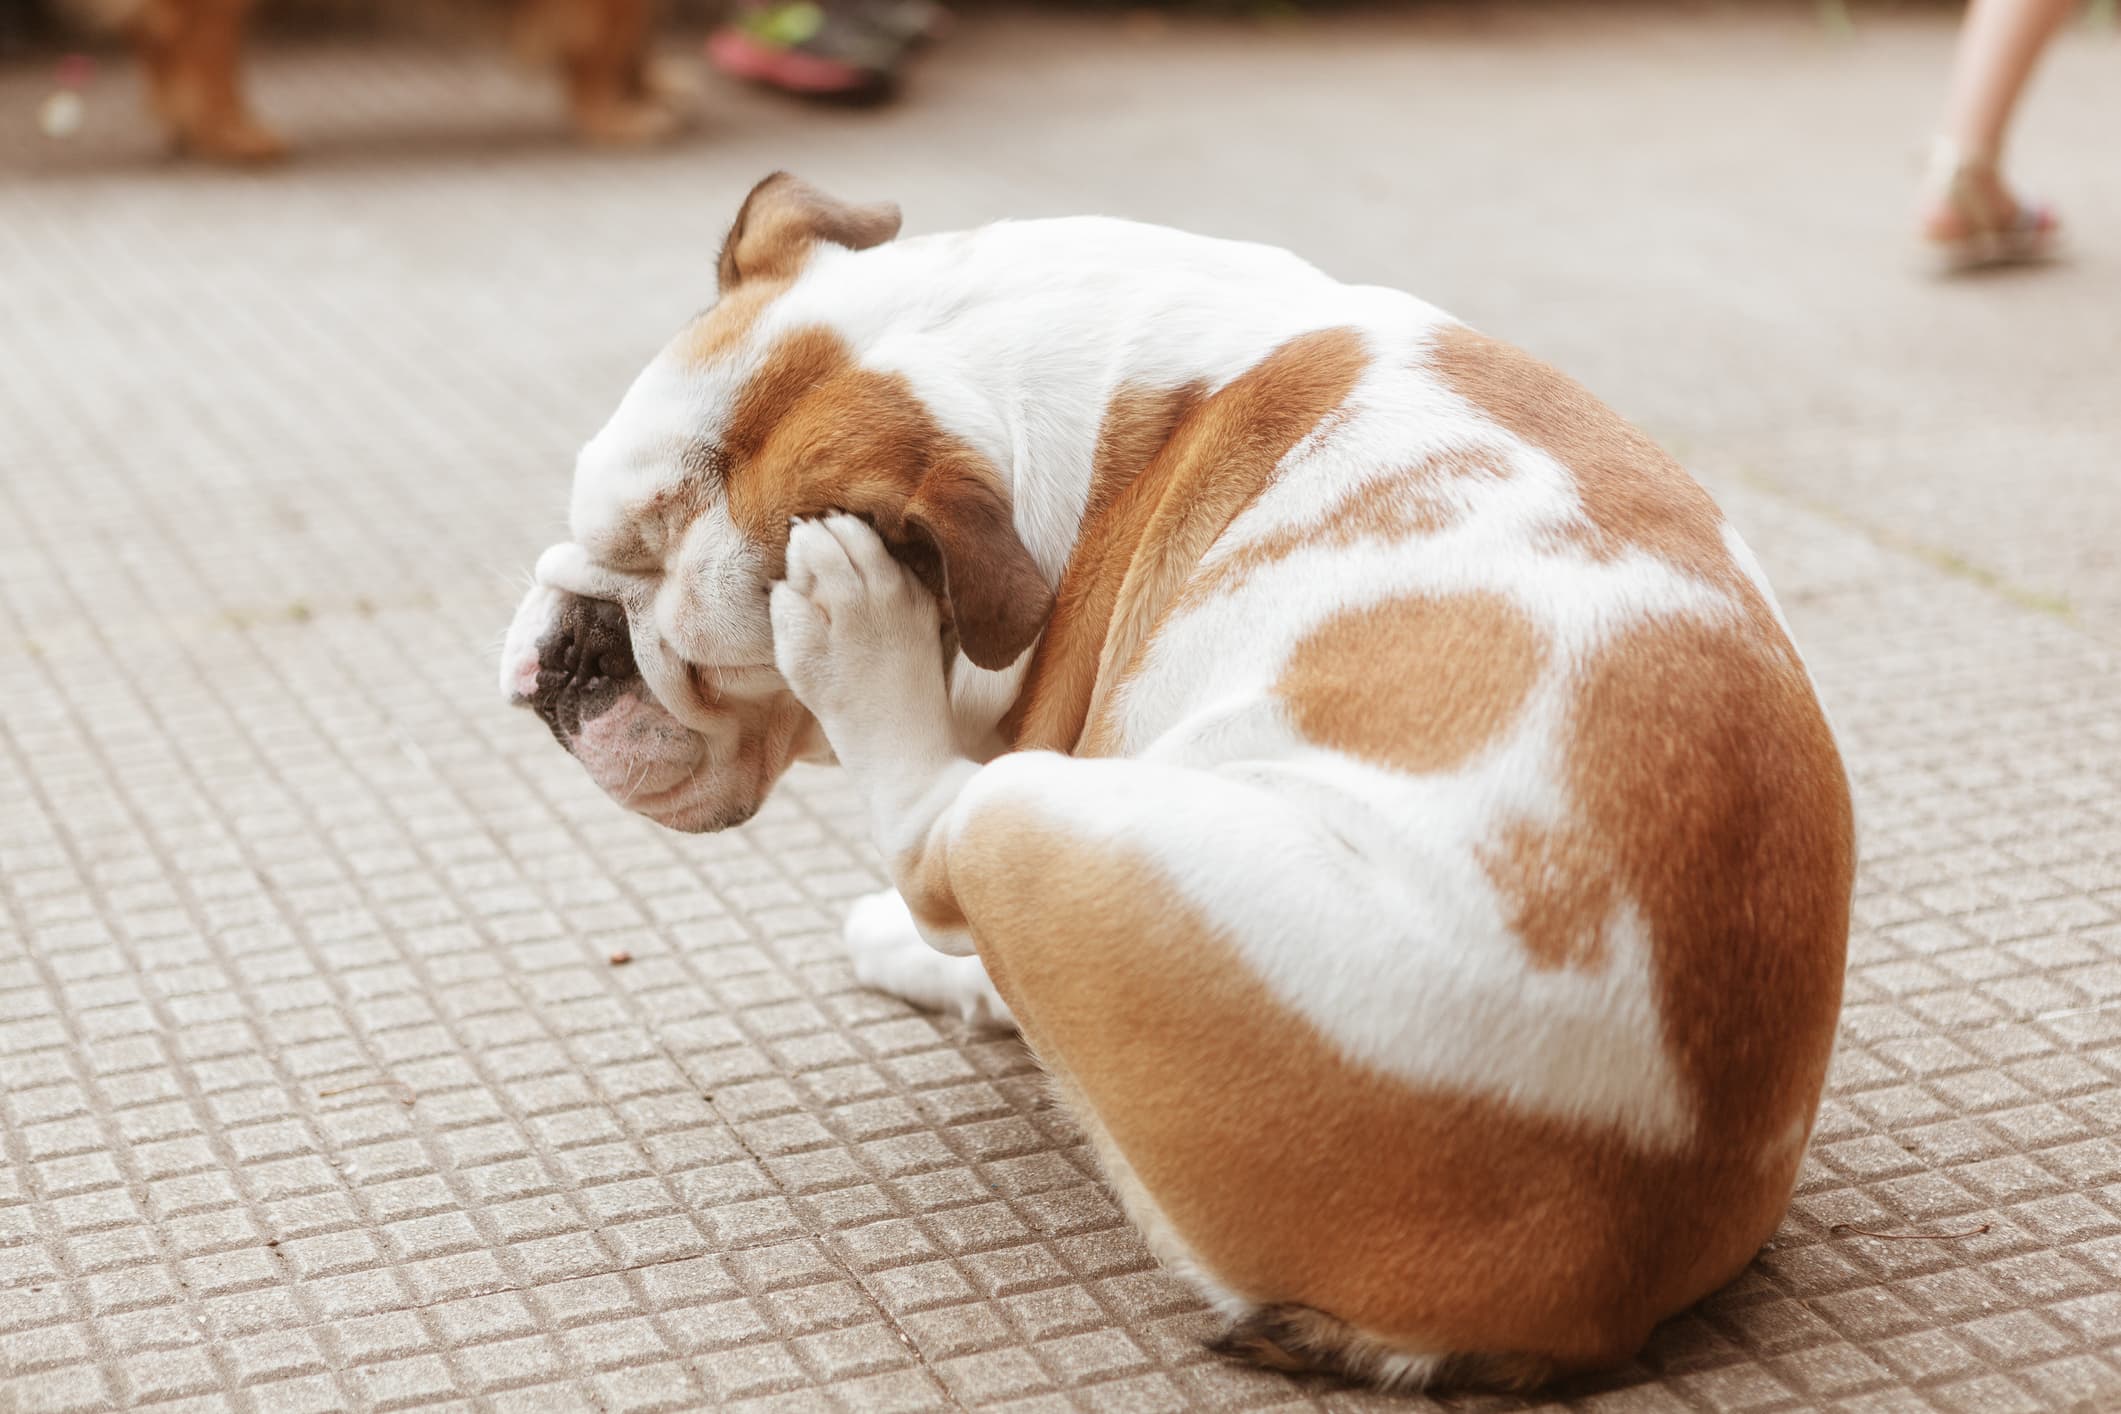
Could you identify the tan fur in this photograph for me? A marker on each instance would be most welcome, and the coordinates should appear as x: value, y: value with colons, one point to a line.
x: 1219, y: 461
x: 1138, y: 422
x: 1558, y: 891
x: 1703, y: 766
x: 1133, y: 558
x: 1412, y: 501
x: 1415, y: 684
x: 1634, y: 495
x: 192, y: 50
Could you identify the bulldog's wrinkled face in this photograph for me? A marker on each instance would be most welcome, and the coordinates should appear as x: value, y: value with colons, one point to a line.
x: 645, y: 643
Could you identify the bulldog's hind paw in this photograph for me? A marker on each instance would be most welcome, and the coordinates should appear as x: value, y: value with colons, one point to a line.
x: 889, y: 955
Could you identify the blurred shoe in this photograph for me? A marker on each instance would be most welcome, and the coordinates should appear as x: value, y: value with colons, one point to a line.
x: 1975, y: 223
x: 850, y: 51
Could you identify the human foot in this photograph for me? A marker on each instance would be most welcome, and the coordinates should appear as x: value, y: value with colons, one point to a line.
x: 1974, y: 220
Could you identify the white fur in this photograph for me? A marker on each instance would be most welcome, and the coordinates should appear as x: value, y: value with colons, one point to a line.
x: 519, y: 650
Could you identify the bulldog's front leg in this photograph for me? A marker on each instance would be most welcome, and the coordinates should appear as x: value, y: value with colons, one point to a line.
x: 858, y: 639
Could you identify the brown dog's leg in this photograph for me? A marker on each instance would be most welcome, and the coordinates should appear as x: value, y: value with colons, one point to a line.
x: 604, y: 52
x: 193, y: 49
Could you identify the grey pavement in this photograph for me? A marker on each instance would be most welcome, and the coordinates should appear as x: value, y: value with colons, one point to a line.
x: 318, y: 1086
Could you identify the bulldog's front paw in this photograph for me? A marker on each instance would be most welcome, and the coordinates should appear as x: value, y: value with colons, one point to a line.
x: 858, y: 639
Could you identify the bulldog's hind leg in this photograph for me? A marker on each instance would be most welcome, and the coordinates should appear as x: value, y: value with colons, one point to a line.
x: 1107, y: 898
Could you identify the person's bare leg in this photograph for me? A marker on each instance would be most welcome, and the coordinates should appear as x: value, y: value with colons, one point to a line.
x: 1999, y: 43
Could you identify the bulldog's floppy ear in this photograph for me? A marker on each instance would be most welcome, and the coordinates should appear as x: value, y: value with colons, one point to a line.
x: 784, y: 218
x: 997, y: 597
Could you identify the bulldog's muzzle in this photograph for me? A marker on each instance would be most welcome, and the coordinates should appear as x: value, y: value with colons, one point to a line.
x: 570, y: 659
x: 584, y: 664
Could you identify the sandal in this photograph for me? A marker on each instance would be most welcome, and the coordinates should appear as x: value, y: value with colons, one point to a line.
x: 848, y: 50
x: 1984, y: 225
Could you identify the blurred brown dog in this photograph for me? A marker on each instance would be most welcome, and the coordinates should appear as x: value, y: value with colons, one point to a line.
x: 193, y: 52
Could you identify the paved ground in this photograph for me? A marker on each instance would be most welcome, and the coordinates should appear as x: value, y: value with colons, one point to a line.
x: 320, y: 1091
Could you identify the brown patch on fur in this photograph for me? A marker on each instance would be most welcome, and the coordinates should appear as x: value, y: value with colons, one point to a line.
x: 1416, y: 684
x: 1397, y: 506
x: 1634, y: 494
x: 813, y: 431
x: 721, y: 330
x: 1703, y: 765
x: 1138, y: 423
x: 802, y: 369
x: 1559, y: 890
x: 1146, y: 537
x: 785, y: 218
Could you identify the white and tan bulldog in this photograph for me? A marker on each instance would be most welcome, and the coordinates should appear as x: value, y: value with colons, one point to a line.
x: 1376, y: 779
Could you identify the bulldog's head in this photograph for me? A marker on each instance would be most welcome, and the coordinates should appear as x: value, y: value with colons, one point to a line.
x: 645, y: 643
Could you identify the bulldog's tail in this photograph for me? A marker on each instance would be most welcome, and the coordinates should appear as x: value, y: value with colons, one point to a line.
x: 1300, y: 1338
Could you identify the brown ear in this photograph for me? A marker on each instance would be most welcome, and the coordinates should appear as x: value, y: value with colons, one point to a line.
x: 784, y: 218
x: 997, y: 597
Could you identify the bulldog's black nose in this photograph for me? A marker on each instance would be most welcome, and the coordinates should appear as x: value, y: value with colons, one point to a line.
x: 583, y: 665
